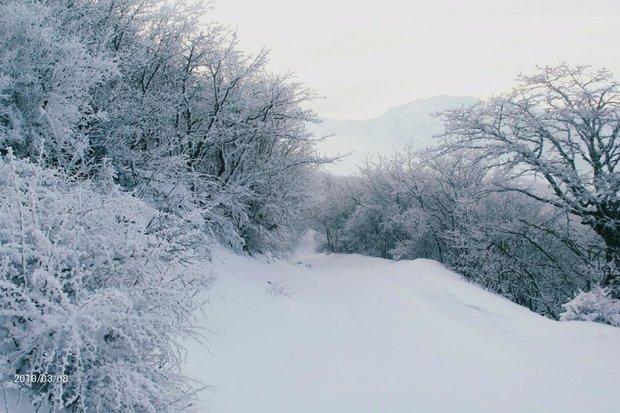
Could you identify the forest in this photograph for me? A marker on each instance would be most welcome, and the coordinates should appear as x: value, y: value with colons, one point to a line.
x: 134, y: 137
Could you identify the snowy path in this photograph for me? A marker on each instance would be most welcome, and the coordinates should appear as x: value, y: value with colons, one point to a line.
x: 365, y: 335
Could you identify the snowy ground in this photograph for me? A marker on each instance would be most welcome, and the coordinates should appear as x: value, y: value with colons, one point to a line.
x: 353, y: 334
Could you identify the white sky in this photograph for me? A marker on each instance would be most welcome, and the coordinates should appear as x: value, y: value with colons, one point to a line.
x: 364, y: 57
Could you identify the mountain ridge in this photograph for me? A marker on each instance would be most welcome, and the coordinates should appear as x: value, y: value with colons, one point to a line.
x: 400, y: 125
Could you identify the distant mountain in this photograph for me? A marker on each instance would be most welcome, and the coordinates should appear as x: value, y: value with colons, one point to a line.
x: 400, y: 125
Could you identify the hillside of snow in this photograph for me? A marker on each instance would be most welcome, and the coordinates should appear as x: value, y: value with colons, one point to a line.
x: 352, y: 334
x: 409, y: 123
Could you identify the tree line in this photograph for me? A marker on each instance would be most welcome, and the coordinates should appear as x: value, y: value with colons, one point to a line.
x: 521, y: 195
x: 133, y: 136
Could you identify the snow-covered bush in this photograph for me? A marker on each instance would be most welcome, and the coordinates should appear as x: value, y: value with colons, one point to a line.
x: 596, y: 305
x: 97, y: 287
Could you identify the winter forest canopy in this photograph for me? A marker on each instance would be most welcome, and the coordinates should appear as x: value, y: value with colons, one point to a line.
x: 134, y: 137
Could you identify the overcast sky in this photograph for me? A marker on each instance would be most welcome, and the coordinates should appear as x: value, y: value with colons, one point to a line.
x: 365, y: 57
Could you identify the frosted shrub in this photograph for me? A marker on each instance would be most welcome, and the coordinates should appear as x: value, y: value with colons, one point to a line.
x: 95, y: 287
x: 596, y: 305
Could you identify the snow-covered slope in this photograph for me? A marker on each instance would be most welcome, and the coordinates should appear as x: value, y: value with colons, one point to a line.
x: 353, y: 334
x: 401, y: 125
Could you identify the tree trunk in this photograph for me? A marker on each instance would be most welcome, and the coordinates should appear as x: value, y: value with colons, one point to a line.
x: 611, y: 237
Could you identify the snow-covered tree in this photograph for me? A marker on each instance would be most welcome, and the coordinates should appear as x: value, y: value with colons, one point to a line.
x: 560, y: 125
x: 197, y: 127
x: 46, y: 76
x: 330, y: 209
